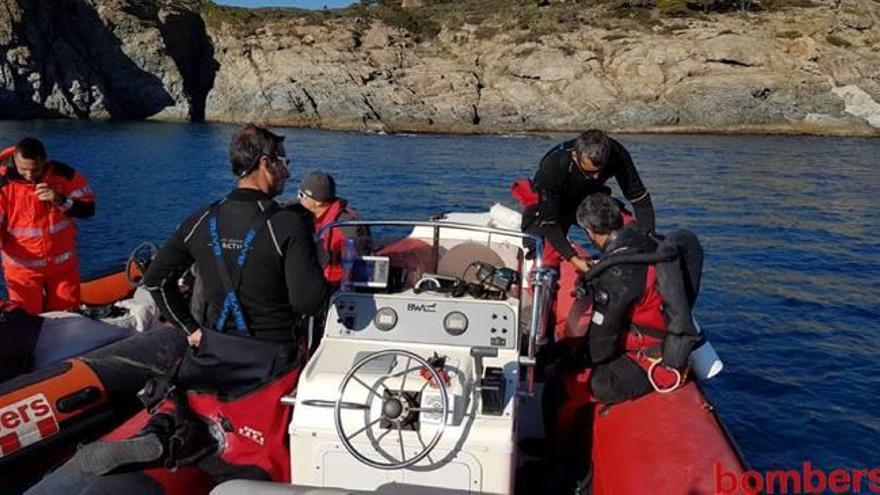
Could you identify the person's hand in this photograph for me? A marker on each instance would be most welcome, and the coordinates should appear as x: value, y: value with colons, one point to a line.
x: 580, y: 264
x: 46, y: 193
x: 195, y: 338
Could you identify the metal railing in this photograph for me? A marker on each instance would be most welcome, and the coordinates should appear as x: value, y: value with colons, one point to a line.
x: 541, y: 279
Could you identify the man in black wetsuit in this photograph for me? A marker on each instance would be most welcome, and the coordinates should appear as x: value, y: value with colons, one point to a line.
x: 278, y: 277
x: 570, y: 172
x: 259, y: 276
x: 627, y: 324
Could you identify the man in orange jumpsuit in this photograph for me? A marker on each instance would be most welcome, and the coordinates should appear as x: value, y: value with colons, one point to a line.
x: 39, y: 200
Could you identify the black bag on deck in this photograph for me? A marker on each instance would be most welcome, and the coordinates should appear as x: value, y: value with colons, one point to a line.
x: 231, y: 365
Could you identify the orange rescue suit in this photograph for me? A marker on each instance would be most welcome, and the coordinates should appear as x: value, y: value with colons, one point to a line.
x: 333, y: 240
x: 38, y: 238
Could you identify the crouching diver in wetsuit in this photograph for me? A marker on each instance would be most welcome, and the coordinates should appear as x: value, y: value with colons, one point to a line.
x: 640, y: 334
x: 259, y: 276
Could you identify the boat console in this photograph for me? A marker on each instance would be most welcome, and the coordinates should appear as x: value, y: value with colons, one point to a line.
x: 418, y: 386
x: 410, y: 318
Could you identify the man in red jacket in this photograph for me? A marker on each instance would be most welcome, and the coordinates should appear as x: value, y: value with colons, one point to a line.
x: 317, y: 193
x: 39, y: 200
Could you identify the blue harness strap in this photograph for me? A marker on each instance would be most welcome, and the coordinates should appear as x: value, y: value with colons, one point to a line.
x: 231, y: 304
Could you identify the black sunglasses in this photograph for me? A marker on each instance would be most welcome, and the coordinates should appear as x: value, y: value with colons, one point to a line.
x: 274, y: 158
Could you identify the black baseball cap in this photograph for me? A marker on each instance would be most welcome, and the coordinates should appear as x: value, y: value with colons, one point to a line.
x: 318, y: 186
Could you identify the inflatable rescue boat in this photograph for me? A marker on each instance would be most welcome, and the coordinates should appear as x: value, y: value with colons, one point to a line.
x: 425, y: 382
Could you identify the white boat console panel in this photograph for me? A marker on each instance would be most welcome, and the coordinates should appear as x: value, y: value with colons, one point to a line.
x: 420, y: 388
x: 424, y: 319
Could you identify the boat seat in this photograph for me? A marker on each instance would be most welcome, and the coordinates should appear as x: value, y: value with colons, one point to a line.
x: 458, y: 258
x: 415, y: 255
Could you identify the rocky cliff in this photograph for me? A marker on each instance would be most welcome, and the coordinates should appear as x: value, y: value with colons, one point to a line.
x: 562, y: 67
x: 103, y: 59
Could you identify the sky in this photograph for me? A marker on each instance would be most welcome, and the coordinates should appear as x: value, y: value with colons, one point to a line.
x: 303, y: 4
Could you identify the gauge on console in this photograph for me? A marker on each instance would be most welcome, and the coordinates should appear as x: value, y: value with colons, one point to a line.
x: 455, y: 323
x: 385, y: 319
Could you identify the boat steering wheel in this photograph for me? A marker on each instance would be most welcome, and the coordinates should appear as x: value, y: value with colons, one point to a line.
x: 138, y: 261
x: 397, y: 409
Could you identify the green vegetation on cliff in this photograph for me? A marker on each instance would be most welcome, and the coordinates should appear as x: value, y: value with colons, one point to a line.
x: 531, y: 18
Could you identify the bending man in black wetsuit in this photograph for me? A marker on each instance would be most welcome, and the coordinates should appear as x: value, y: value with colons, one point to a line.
x: 570, y: 172
x: 258, y: 276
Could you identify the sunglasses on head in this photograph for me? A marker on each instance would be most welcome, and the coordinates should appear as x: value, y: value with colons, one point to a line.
x: 283, y: 160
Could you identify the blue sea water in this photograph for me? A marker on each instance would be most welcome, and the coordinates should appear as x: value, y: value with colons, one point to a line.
x: 791, y: 291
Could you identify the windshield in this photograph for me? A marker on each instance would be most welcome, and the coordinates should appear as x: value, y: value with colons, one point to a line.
x: 434, y: 248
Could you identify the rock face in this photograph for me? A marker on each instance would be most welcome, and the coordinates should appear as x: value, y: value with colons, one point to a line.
x: 798, y: 70
x: 103, y: 59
